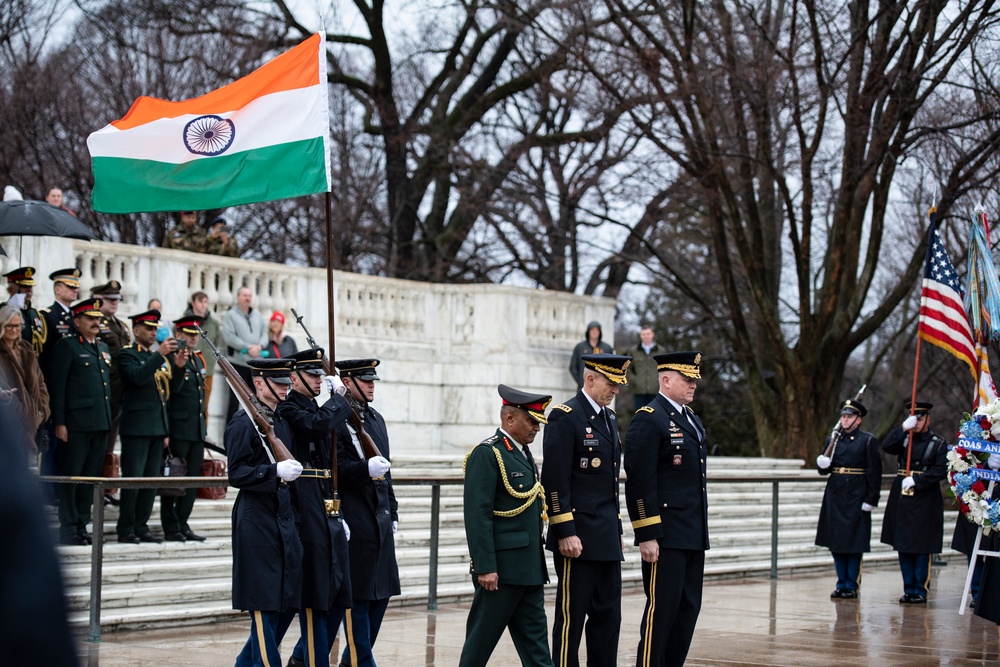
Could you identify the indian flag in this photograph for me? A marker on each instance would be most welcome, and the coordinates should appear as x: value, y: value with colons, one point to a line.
x: 263, y: 137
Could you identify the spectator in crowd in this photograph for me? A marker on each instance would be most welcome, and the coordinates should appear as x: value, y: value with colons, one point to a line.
x: 21, y: 383
x: 163, y: 331
x: 55, y: 197
x: 188, y: 235
x: 210, y: 325
x: 643, y: 378
x: 279, y: 344
x: 245, y: 335
x: 592, y: 344
x: 220, y: 240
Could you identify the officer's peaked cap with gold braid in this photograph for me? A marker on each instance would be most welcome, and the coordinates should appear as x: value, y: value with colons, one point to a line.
x: 533, y: 404
x: 687, y: 364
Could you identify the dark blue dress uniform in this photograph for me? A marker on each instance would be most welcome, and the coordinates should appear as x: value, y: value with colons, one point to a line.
x: 914, y: 524
x: 580, y: 475
x: 267, y: 553
x: 855, y: 479
x: 80, y: 396
x: 665, y: 490
x: 369, y: 507
x: 504, y: 513
x: 57, y: 320
x: 326, y: 582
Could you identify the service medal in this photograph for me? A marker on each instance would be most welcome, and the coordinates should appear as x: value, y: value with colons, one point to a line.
x: 595, y: 463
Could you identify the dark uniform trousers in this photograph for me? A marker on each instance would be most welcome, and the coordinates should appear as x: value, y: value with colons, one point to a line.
x: 673, y: 590
x: 589, y: 591
x: 848, y: 568
x: 519, y: 609
x: 176, y: 510
x: 142, y: 456
x: 362, y: 623
x: 264, y: 627
x: 916, y: 571
x: 82, y: 455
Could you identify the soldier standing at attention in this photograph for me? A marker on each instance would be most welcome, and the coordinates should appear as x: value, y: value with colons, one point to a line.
x: 370, y: 509
x: 20, y: 286
x: 580, y: 476
x: 914, y: 515
x: 852, y: 492
x: 188, y: 235
x: 504, y: 515
x: 80, y: 394
x: 145, y: 426
x: 665, y: 489
x: 115, y: 333
x: 58, y: 318
x: 267, y: 553
x: 186, y: 411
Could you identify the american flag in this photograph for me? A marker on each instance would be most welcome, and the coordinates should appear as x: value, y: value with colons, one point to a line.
x: 943, y: 320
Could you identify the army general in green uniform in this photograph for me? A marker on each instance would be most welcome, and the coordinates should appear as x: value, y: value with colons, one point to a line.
x: 504, y: 512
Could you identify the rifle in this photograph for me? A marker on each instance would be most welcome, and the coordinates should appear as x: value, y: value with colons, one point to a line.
x: 367, y: 444
x: 250, y: 403
x: 837, y: 430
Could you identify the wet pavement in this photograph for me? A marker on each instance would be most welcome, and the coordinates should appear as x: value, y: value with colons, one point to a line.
x: 790, y: 622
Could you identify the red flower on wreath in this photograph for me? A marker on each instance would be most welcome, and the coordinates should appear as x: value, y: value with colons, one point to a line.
x: 963, y: 508
x: 961, y: 451
x: 979, y: 487
x: 985, y: 423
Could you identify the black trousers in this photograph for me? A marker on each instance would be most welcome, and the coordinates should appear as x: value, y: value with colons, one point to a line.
x: 142, y: 456
x: 673, y: 601
x: 176, y: 510
x: 588, y: 598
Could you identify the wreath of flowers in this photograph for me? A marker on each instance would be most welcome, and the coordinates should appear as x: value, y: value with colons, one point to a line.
x: 970, y: 490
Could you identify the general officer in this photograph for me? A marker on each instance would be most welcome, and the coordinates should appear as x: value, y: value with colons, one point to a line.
x: 852, y: 492
x: 80, y: 394
x: 326, y: 579
x: 504, y: 515
x: 20, y: 286
x: 267, y: 553
x: 58, y: 319
x: 580, y: 476
x: 186, y: 414
x: 371, y: 511
x: 665, y: 453
x: 117, y: 335
x: 145, y: 426
x: 914, y: 516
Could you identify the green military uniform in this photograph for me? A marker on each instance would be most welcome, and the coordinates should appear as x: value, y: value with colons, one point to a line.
x: 181, y: 238
x: 80, y: 395
x: 504, y: 514
x: 145, y: 379
x: 186, y: 410
x: 32, y: 324
x: 116, y: 335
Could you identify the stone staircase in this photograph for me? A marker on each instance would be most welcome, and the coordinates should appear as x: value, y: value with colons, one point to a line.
x: 172, y: 583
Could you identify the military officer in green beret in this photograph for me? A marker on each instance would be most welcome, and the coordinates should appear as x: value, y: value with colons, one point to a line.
x: 20, y: 286
x: 504, y: 514
x: 116, y: 335
x: 80, y: 394
x: 186, y: 409
x: 146, y: 379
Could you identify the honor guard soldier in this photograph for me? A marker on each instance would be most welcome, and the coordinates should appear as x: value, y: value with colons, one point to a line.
x: 58, y: 320
x: 326, y: 579
x: 146, y: 377
x: 665, y: 489
x: 116, y: 334
x: 186, y: 412
x: 504, y: 516
x: 371, y: 512
x: 80, y: 394
x: 914, y: 516
x: 853, y: 461
x: 20, y: 286
x: 267, y: 553
x: 580, y: 476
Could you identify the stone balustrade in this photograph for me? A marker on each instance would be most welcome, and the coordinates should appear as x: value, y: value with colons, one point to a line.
x: 444, y: 348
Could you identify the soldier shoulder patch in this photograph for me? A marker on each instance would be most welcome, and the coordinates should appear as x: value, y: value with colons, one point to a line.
x: 645, y: 408
x: 563, y: 407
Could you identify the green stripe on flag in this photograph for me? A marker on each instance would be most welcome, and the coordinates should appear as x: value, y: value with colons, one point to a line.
x: 125, y: 185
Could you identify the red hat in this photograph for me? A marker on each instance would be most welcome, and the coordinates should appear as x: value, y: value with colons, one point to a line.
x: 278, y: 316
x: 150, y: 318
x: 189, y: 324
x: 91, y: 307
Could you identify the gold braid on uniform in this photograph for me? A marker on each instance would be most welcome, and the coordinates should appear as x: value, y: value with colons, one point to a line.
x: 38, y: 337
x: 528, y: 496
x: 162, y: 379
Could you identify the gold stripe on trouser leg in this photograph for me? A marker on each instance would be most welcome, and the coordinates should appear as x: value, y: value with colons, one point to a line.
x: 927, y: 581
x: 564, y: 631
x: 647, y: 638
x: 310, y: 647
x: 261, y: 644
x: 349, y: 627
x: 861, y: 570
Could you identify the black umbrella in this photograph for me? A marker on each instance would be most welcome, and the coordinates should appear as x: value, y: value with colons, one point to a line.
x: 37, y: 218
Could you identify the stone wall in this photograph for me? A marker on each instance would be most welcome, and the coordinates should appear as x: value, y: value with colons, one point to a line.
x: 443, y: 348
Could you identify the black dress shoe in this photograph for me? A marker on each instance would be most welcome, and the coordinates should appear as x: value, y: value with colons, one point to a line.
x: 130, y: 538
x: 149, y: 537
x: 174, y: 537
x: 294, y: 662
x: 194, y: 537
x: 848, y: 593
x: 918, y: 599
x: 111, y: 499
x: 839, y: 593
x: 88, y: 537
x: 73, y: 540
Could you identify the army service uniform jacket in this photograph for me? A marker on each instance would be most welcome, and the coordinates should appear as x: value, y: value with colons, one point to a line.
x: 503, y: 514
x: 186, y: 407
x: 57, y: 323
x: 915, y: 524
x: 80, y: 386
x: 116, y: 334
x: 665, y: 485
x: 855, y: 478
x: 145, y: 379
x: 580, y: 476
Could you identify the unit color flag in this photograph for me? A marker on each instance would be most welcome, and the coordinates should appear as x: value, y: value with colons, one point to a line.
x: 260, y: 138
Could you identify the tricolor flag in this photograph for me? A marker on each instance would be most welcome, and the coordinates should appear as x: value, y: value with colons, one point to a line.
x: 943, y: 320
x: 263, y: 137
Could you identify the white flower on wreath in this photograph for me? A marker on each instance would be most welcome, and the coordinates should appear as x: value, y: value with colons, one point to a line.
x: 958, y: 463
x: 992, y: 412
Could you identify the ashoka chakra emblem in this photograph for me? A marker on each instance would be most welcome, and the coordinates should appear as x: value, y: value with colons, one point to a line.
x: 209, y: 135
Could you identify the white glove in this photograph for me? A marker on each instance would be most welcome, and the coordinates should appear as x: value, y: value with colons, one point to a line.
x: 865, y: 507
x: 16, y: 301
x: 823, y: 462
x: 910, y: 423
x: 395, y: 527
x: 289, y: 470
x: 994, y: 461
x: 908, y: 483
x: 378, y: 466
x: 334, y: 385
x: 347, y: 530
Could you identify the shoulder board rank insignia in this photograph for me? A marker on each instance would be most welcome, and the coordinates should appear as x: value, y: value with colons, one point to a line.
x: 645, y: 408
x: 45, y: 311
x: 563, y: 407
x: 610, y: 411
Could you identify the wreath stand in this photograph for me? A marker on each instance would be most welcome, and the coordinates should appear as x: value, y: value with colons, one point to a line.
x: 976, y: 553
